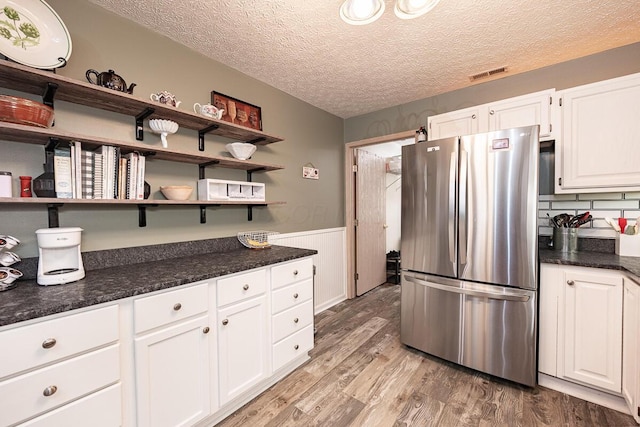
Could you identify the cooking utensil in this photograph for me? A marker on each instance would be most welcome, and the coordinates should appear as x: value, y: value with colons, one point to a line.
x: 636, y: 225
x: 561, y: 220
x: 622, y: 222
x: 25, y: 112
x: 576, y: 220
x: 583, y: 221
x: 613, y: 224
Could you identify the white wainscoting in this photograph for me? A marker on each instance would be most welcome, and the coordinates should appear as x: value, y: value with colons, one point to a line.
x: 330, y: 282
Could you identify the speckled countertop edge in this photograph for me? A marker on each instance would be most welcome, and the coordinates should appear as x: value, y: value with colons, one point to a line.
x: 30, y: 301
x: 607, y: 261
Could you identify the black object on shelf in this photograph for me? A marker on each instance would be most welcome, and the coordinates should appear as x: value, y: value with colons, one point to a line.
x: 393, y: 267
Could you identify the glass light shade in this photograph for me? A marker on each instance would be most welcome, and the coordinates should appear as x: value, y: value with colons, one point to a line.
x: 408, y: 9
x: 360, y: 12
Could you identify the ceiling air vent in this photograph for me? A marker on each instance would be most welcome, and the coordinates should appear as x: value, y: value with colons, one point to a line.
x: 487, y: 74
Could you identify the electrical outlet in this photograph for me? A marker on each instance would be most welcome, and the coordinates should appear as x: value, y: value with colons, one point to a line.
x: 310, y: 173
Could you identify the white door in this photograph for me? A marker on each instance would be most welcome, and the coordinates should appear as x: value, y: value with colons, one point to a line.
x: 370, y: 221
x: 526, y: 110
x: 593, y: 330
x: 631, y: 347
x: 173, y: 375
x: 243, y: 348
x: 456, y: 123
x: 600, y: 137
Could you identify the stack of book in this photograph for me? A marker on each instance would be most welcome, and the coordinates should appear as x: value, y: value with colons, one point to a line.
x: 103, y: 173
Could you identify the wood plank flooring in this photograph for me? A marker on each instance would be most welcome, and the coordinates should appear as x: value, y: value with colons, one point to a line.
x: 361, y: 375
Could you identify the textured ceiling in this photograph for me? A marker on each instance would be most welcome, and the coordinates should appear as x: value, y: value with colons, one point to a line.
x: 303, y: 48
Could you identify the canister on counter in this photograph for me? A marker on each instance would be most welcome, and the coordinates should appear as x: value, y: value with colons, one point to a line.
x: 5, y: 184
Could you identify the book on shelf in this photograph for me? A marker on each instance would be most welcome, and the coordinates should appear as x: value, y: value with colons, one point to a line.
x: 122, y: 178
x: 132, y: 175
x: 142, y: 160
x: 86, y: 175
x: 62, y: 172
x: 76, y: 168
x: 97, y: 175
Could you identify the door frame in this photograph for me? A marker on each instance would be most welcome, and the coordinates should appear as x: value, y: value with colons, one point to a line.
x: 350, y: 189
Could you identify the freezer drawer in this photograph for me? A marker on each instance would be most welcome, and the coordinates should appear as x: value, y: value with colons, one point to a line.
x: 484, y: 327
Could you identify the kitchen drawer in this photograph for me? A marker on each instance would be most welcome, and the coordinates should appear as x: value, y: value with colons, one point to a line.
x: 30, y: 346
x: 241, y: 286
x: 24, y: 396
x: 292, y: 320
x: 285, y: 274
x: 167, y: 307
x: 102, y: 408
x: 291, y: 347
x: 292, y: 295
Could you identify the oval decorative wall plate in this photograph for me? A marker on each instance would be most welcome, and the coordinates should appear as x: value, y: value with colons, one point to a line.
x: 33, y: 34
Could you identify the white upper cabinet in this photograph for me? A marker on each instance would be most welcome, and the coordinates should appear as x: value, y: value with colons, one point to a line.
x: 455, y: 123
x: 600, y: 137
x: 526, y: 110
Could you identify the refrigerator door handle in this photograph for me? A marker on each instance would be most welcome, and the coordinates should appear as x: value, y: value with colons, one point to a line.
x: 470, y: 292
x: 452, y: 207
x: 462, y: 225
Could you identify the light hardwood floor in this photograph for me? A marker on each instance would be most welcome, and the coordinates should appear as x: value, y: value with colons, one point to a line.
x: 361, y: 375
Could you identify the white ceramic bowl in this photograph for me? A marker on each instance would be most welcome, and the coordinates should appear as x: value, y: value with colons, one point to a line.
x: 163, y: 127
x: 176, y: 192
x: 241, y: 150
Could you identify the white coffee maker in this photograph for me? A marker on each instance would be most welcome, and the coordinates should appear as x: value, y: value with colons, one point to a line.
x: 60, y: 259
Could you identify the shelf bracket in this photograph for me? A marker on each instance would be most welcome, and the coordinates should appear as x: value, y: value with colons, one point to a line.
x: 202, y: 166
x: 52, y: 213
x: 201, y: 134
x: 140, y: 122
x: 203, y: 213
x: 49, y: 94
x: 257, y: 140
x: 142, y: 214
x: 52, y: 144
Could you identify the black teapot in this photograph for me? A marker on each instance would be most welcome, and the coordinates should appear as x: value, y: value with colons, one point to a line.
x: 110, y: 80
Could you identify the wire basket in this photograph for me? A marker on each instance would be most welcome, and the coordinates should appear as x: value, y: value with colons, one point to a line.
x: 256, y: 239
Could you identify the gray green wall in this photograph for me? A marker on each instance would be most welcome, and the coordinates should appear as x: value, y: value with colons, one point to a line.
x: 101, y: 41
x: 412, y: 115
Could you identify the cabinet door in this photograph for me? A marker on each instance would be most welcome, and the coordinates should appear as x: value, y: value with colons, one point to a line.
x: 592, y: 328
x: 527, y: 110
x: 550, y: 288
x: 243, y: 357
x: 456, y: 123
x: 173, y: 375
x: 600, y: 136
x: 630, y: 348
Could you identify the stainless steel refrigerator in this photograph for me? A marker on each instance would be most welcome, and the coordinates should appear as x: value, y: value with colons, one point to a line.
x: 469, y: 251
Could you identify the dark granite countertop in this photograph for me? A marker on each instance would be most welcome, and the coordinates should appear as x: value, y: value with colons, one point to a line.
x: 29, y: 300
x: 608, y: 261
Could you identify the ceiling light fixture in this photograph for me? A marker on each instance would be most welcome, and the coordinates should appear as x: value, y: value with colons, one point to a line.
x: 360, y: 12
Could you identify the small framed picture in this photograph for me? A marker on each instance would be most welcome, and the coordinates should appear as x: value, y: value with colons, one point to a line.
x: 238, y: 112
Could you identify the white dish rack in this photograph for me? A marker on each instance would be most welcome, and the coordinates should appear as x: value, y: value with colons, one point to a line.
x: 221, y: 189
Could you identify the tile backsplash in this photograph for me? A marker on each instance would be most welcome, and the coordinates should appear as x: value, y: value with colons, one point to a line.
x: 600, y: 205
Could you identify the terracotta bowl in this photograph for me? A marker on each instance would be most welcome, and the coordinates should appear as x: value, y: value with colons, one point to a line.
x: 176, y: 192
x: 25, y: 112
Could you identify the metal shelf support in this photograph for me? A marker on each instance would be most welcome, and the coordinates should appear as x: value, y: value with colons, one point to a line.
x: 257, y: 140
x: 52, y: 213
x: 140, y: 122
x: 142, y: 214
x: 201, y: 134
x: 49, y: 94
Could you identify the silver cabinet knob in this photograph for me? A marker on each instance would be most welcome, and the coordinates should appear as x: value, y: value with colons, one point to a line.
x: 48, y: 343
x: 295, y: 347
x: 492, y: 112
x: 473, y: 116
x: 570, y: 282
x: 295, y: 320
x: 295, y: 295
x: 50, y: 391
x: 225, y: 322
x: 295, y: 272
x: 245, y: 287
x: 205, y: 330
x: 177, y: 306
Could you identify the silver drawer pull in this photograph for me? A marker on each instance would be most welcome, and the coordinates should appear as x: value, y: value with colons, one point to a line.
x: 177, y: 306
x: 48, y: 343
x: 295, y: 295
x: 295, y: 320
x: 225, y: 322
x: 295, y: 347
x: 570, y: 282
x: 295, y: 272
x: 245, y: 287
x: 50, y: 391
x: 205, y: 330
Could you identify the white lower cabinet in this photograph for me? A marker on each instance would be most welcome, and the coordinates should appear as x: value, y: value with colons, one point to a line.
x: 172, y: 363
x: 631, y: 348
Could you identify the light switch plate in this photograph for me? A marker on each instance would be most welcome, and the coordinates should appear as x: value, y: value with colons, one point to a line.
x: 310, y: 173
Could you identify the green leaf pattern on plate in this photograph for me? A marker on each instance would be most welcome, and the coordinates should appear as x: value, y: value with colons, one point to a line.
x: 23, y: 34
